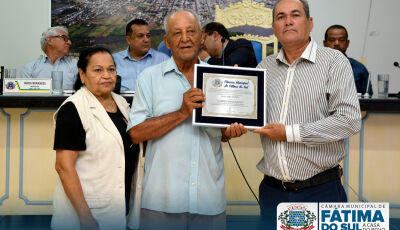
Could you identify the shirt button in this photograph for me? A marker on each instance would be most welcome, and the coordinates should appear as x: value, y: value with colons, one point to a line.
x: 193, y: 184
x: 194, y: 163
x: 194, y: 142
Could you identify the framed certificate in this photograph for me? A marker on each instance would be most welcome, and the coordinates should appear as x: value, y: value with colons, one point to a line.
x: 233, y: 94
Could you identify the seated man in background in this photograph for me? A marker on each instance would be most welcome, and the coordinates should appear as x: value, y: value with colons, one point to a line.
x: 55, y: 43
x: 218, y: 49
x: 336, y: 37
x: 138, y: 56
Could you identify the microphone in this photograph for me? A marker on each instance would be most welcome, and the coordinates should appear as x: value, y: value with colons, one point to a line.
x: 396, y: 64
x: 366, y: 94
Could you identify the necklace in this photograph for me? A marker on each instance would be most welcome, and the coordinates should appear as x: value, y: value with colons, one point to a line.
x: 110, y: 107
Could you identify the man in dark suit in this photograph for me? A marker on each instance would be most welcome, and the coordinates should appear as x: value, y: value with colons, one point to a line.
x: 336, y: 37
x: 218, y: 49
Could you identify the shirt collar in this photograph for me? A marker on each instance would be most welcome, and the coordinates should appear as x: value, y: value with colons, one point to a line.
x: 170, y: 65
x: 223, y: 49
x: 46, y: 58
x: 310, y: 53
x: 128, y: 55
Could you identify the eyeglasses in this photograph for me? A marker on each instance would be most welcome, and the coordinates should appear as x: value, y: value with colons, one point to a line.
x: 65, y: 37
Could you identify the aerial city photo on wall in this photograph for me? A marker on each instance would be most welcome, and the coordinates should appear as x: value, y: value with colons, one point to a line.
x: 103, y: 22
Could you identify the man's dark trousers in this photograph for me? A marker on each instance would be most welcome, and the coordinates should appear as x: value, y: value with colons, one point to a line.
x: 270, y: 196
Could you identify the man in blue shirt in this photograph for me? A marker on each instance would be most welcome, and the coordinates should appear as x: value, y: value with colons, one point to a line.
x: 336, y: 37
x: 55, y: 43
x: 184, y: 180
x: 138, y: 56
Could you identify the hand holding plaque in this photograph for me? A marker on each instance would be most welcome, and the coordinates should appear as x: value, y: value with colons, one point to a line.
x: 191, y: 100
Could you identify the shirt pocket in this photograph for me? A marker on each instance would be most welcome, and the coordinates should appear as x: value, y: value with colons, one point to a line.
x: 95, y: 202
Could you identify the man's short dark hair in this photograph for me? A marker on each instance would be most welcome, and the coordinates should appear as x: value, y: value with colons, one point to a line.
x: 136, y: 21
x: 216, y: 26
x: 306, y: 8
x: 336, y: 27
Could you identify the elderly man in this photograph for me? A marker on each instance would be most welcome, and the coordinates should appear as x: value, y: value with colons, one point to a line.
x: 336, y: 37
x: 55, y: 43
x: 138, y: 56
x: 183, y: 184
x: 312, y: 108
x: 218, y: 49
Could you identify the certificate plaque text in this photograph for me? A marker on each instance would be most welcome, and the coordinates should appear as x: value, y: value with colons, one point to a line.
x: 232, y: 94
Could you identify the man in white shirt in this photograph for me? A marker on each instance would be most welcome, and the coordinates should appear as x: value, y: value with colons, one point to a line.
x: 55, y: 43
x: 184, y: 180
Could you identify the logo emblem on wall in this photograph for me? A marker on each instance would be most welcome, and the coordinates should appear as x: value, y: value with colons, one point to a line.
x: 296, y: 216
x: 10, y: 85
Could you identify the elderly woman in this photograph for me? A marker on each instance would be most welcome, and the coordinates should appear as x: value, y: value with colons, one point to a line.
x: 92, y: 147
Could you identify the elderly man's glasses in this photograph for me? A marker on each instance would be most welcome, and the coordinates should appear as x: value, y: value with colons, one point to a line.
x: 66, y: 38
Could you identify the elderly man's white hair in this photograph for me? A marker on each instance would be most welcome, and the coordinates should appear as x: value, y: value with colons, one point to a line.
x: 51, y: 31
x: 174, y: 12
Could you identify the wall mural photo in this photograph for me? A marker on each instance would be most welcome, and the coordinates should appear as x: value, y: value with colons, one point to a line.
x: 102, y: 22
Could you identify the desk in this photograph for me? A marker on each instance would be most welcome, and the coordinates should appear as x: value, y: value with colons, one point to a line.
x: 34, y: 102
x: 27, y: 174
x: 380, y: 105
x: 373, y: 169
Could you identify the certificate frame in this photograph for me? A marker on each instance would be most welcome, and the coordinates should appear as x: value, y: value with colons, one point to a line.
x: 257, y: 120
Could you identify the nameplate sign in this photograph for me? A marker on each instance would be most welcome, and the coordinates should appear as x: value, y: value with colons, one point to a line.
x: 27, y: 86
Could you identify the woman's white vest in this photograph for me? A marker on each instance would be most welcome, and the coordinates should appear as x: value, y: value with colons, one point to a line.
x: 101, y: 167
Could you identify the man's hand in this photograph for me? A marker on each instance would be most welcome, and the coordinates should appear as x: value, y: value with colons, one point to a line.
x: 192, y: 99
x: 234, y: 130
x: 203, y: 54
x: 274, y: 131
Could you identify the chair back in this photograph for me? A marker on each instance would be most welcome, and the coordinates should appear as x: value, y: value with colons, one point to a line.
x: 257, y: 47
x: 251, y: 16
x: 164, y: 49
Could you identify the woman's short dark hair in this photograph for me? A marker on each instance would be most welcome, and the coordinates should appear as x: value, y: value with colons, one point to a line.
x: 83, y: 61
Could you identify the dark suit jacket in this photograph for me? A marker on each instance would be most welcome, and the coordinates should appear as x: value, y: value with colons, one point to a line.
x: 361, y: 77
x: 236, y: 52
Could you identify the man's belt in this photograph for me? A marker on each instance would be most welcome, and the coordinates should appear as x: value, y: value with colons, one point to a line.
x: 321, y: 178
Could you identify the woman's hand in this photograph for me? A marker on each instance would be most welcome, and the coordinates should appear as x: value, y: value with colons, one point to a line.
x: 89, y: 223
